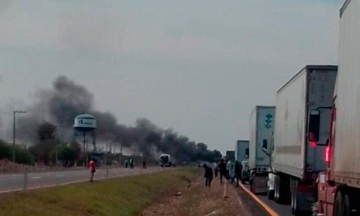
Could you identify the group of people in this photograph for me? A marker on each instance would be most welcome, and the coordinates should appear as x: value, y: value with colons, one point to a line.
x: 129, y: 163
x: 223, y: 168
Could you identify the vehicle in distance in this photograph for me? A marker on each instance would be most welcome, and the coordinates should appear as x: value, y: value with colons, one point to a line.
x: 165, y: 161
x: 242, y: 156
x: 261, y: 130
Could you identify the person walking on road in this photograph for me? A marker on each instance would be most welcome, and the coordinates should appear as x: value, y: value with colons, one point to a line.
x: 92, y: 167
x: 237, y: 173
x: 216, y: 169
x: 222, y: 169
x: 208, y: 176
x: 131, y: 161
x: 228, y: 168
x: 144, y: 165
x: 126, y: 163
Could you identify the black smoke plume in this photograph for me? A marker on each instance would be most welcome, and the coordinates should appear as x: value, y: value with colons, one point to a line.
x: 62, y: 103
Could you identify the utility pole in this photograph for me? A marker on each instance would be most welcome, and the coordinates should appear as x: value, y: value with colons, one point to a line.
x: 106, y: 147
x: 57, y: 142
x: 56, y: 151
x: 86, y: 150
x: 14, y: 133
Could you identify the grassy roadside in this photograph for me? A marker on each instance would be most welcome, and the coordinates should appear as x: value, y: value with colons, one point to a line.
x: 122, y: 196
x: 201, y: 200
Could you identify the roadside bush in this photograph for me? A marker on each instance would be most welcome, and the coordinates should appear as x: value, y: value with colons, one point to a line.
x: 42, y: 151
x: 5, y: 150
x: 22, y: 156
x: 68, y: 153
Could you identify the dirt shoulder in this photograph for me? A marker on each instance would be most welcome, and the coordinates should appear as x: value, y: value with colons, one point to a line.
x: 200, y: 200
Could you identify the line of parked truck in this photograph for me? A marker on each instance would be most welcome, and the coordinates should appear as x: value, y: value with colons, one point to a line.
x: 305, y: 150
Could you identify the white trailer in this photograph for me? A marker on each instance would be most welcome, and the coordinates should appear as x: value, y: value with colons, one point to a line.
x: 261, y: 130
x: 242, y: 150
x: 339, y: 186
x: 242, y: 156
x: 296, y: 161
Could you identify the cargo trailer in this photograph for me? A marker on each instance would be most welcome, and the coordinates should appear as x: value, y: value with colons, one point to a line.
x: 339, y: 185
x: 242, y: 156
x: 242, y: 150
x: 261, y: 130
x: 296, y: 161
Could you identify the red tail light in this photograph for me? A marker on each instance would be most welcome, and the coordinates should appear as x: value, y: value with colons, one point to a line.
x: 313, y: 144
x: 327, y: 154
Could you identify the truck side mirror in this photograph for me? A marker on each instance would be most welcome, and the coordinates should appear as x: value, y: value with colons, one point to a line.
x: 314, y: 126
x: 247, y: 153
x: 265, y: 145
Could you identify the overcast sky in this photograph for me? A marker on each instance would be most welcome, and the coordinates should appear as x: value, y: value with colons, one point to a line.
x: 197, y: 66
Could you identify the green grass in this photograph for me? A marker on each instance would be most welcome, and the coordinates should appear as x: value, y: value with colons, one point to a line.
x: 122, y: 196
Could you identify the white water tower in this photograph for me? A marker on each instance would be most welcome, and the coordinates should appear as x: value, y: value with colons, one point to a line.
x: 85, y: 124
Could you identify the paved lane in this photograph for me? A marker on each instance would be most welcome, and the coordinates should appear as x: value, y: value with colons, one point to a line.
x: 15, y: 182
x: 280, y: 209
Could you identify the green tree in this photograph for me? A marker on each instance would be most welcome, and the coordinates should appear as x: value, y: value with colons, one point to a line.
x: 45, y: 146
x: 22, y: 156
x: 68, y: 154
x: 43, y: 150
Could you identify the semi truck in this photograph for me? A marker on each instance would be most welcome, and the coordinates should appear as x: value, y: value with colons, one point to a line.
x: 165, y: 160
x: 242, y: 156
x: 296, y: 161
x: 261, y: 130
x: 230, y: 155
x: 242, y: 150
x: 339, y: 185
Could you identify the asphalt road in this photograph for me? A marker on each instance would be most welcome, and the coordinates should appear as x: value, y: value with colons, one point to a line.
x: 15, y: 182
x: 280, y: 209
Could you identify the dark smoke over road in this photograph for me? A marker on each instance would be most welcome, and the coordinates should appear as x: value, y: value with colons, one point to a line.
x: 60, y: 104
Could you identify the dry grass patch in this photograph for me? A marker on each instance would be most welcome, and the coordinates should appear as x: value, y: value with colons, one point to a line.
x: 199, y: 200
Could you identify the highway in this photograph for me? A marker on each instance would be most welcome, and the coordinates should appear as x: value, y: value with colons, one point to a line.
x: 279, y: 209
x: 15, y: 182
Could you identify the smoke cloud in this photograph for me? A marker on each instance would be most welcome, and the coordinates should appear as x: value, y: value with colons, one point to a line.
x: 66, y: 99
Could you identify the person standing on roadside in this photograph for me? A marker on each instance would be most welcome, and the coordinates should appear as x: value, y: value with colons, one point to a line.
x: 228, y: 168
x: 222, y: 169
x: 144, y: 165
x: 237, y: 173
x: 208, y: 176
x: 92, y: 167
x: 216, y: 169
x: 126, y: 163
x: 131, y: 163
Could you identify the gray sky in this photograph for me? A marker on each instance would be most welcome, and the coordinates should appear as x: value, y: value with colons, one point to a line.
x: 198, y: 67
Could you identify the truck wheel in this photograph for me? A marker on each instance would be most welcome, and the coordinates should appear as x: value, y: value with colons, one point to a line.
x: 293, y: 191
x: 338, y: 205
x: 283, y: 191
x: 279, y: 197
x: 294, y: 202
x: 276, y: 190
x: 270, y: 194
x: 252, y: 187
x: 346, y: 205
